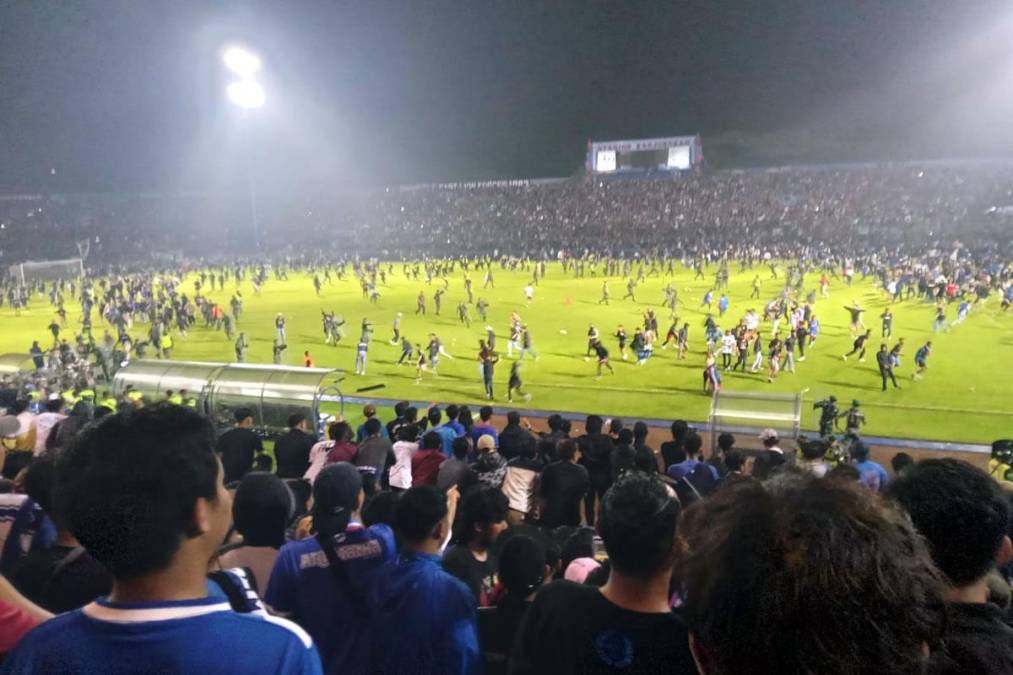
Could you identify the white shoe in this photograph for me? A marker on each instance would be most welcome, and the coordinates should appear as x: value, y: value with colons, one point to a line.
x: 845, y: 357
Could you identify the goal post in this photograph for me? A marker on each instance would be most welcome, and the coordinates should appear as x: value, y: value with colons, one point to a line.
x: 47, y: 270
x: 748, y: 412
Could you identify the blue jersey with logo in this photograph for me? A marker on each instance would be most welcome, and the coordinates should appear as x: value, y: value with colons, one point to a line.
x: 186, y: 636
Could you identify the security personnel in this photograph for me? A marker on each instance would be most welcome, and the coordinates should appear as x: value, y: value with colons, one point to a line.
x: 1001, y: 464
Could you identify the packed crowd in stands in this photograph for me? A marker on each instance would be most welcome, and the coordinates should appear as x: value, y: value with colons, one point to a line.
x: 132, y: 539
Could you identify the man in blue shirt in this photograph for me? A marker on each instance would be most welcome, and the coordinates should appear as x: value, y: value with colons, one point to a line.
x: 143, y: 493
x: 870, y: 474
x: 484, y: 428
x: 425, y: 618
x: 447, y: 434
x: 692, y: 445
x: 331, y: 602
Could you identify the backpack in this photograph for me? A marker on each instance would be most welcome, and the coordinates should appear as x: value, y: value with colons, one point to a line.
x: 697, y: 484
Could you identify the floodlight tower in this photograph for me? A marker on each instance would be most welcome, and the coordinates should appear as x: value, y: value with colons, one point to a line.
x: 248, y: 94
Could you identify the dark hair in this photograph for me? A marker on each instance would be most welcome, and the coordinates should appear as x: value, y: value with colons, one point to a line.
x: 432, y: 441
x: 615, y: 426
x: 640, y: 431
x: 814, y: 450
x: 679, y: 429
x: 901, y: 461
x: 734, y: 460
x: 241, y: 413
x: 464, y: 417
x: 726, y: 441
x: 961, y: 512
x: 263, y: 462
x: 452, y: 412
x: 522, y: 565
x: 301, y: 492
x: 339, y: 431
x: 593, y: 424
x: 372, y: 426
x: 844, y: 472
x: 643, y: 460
x: 566, y: 449
x: 261, y: 509
x: 485, y: 413
x: 128, y: 485
x: 460, y: 447
x: 408, y: 432
x: 860, y: 452
x: 824, y: 564
x: 294, y: 419
x: 63, y: 433
x: 380, y: 509
x: 480, y: 507
x: 555, y: 421
x: 625, y: 437
x: 637, y: 524
x: 565, y: 426
x: 418, y: 511
x: 400, y: 407
x: 692, y: 444
x: 411, y: 413
x: 434, y: 415
x: 513, y: 417
x: 580, y: 544
x: 38, y: 484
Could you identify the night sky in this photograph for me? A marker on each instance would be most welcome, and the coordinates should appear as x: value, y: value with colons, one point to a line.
x: 128, y: 94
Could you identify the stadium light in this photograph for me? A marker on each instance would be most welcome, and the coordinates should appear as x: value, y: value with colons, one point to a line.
x: 246, y: 94
x: 241, y: 62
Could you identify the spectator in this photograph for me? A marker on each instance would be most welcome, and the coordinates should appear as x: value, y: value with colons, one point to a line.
x: 490, y: 467
x: 324, y: 583
x: 399, y: 411
x: 425, y: 618
x: 237, y: 446
x: 446, y: 433
x: 516, y: 439
x: 519, y: 486
x: 17, y: 616
x: 456, y: 471
x: 484, y: 427
x: 426, y: 462
x: 622, y: 458
x: 735, y: 461
x: 453, y: 413
x: 292, y: 449
x: 774, y: 456
x: 564, y: 483
x: 338, y: 448
x: 374, y: 452
x: 595, y: 452
x: 523, y: 570
x: 874, y: 613
x: 627, y: 624
x: 671, y: 451
x: 144, y: 494
x: 45, y: 421
x: 369, y: 412
x: 813, y: 461
x: 870, y: 474
x: 726, y: 444
x: 406, y: 446
x: 548, y: 441
x: 965, y: 517
x: 481, y: 519
x: 693, y: 478
x: 261, y: 510
x: 900, y: 462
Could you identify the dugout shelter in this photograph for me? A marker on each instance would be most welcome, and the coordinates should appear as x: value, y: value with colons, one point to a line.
x: 218, y: 389
x: 15, y: 363
x: 742, y: 412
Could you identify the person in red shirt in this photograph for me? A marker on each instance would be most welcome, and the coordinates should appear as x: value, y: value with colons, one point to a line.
x: 426, y: 462
x: 307, y: 360
x: 17, y: 616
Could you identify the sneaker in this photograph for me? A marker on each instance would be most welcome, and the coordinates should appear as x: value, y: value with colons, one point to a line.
x: 861, y: 360
x: 801, y: 359
x: 527, y: 397
x: 845, y: 357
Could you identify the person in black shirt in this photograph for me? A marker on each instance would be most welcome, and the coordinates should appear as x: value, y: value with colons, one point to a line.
x: 858, y: 347
x: 965, y: 517
x: 627, y: 625
x: 292, y: 450
x: 563, y: 486
x: 672, y: 451
x: 596, y: 450
x: 481, y: 520
x: 885, y: 363
x: 237, y: 446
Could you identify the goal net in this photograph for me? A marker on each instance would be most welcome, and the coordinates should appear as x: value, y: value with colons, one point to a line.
x: 47, y: 270
x: 746, y: 413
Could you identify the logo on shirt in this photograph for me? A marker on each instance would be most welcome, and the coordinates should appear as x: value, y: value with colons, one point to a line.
x: 615, y: 649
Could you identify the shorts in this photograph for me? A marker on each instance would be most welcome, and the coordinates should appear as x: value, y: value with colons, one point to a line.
x: 603, y: 360
x: 920, y: 363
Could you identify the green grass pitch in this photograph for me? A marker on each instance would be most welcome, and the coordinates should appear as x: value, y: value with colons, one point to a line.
x: 964, y: 396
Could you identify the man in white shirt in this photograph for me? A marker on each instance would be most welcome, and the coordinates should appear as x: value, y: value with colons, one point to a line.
x: 45, y: 421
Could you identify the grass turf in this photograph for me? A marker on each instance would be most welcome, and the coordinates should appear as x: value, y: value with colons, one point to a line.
x: 963, y: 397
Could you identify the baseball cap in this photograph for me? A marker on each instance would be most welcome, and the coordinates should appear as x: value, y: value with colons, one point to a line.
x: 486, y: 442
x: 768, y: 435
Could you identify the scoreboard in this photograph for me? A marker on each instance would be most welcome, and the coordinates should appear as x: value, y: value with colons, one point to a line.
x: 643, y: 156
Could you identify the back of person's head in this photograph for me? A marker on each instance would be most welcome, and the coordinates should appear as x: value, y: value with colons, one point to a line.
x: 295, y: 419
x: 566, y: 449
x: 460, y: 447
x: 615, y: 426
x: 522, y: 565
x: 679, y: 429
x: 813, y: 450
x: 400, y: 407
x: 693, y: 444
x: 452, y: 412
x: 643, y: 460
x: 337, y: 494
x: 339, y: 431
x: 417, y: 513
x: 129, y: 487
x: 901, y: 461
x: 962, y: 513
x: 554, y: 421
x: 625, y: 437
x: 372, y: 426
x: 411, y: 413
x: 580, y: 544
x: 637, y: 523
x: 860, y: 452
x: 481, y: 516
x: 432, y: 440
x: 565, y: 426
x: 513, y: 418
x: 241, y: 414
x: 485, y: 413
x: 434, y: 415
x: 380, y: 509
x: 735, y: 460
x: 823, y: 576
x: 464, y: 417
x: 63, y: 433
x: 640, y: 431
x: 408, y: 433
x: 726, y: 442
x: 37, y: 482
x: 593, y: 424
x: 843, y: 472
x: 261, y: 509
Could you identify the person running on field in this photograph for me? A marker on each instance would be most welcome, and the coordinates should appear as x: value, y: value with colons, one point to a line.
x: 858, y: 347
x: 603, y: 358
x: 921, y: 360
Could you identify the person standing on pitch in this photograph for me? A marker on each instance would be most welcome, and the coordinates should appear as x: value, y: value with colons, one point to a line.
x: 526, y: 347
x: 592, y: 340
x: 620, y: 335
x: 279, y: 327
x: 856, y: 318
x: 887, y: 318
x: 885, y: 363
x: 603, y: 358
x: 361, y: 350
x: 487, y: 359
x: 515, y: 383
x: 242, y: 344
x: 604, y: 293
x: 420, y: 304
x: 406, y: 351
x: 396, y: 327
